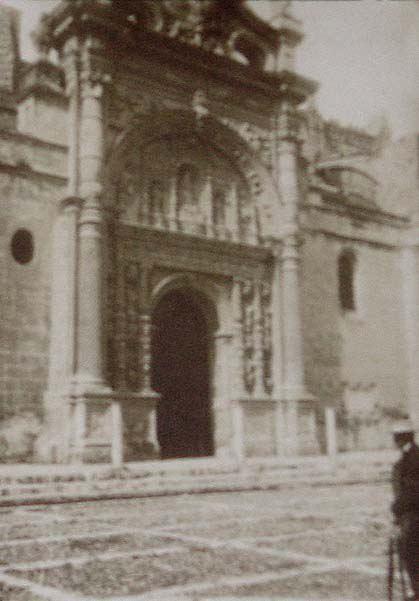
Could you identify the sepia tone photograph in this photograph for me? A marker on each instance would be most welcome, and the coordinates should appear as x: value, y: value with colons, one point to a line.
x: 209, y: 310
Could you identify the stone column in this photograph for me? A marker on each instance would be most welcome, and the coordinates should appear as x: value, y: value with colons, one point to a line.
x: 172, y: 208
x: 222, y: 410
x: 293, y: 387
x: 259, y: 391
x: 331, y: 441
x: 90, y: 330
x: 232, y: 213
x: 147, y: 397
x: 207, y: 208
x: 277, y: 360
x: 237, y: 388
x: 53, y: 444
x: 410, y: 273
x: 71, y: 66
x: 94, y: 402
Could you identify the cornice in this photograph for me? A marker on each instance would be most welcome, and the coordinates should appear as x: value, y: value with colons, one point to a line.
x: 20, y: 171
x: 330, y: 233
x: 120, y: 40
x: 158, y: 240
x: 26, y: 138
x: 361, y: 214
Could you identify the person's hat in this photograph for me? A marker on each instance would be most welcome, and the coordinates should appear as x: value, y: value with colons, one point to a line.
x: 403, y: 426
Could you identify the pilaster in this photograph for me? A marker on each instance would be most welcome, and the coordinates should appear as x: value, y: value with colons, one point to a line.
x: 96, y: 424
x: 62, y: 332
x: 410, y: 291
x: 223, y: 419
x: 237, y: 391
x: 292, y: 390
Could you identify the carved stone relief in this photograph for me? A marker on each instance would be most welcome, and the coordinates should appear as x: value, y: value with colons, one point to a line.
x: 248, y: 334
x: 183, y: 185
x: 256, y: 336
x: 266, y: 328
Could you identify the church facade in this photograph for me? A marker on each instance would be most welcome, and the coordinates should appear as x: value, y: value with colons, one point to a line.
x: 194, y: 262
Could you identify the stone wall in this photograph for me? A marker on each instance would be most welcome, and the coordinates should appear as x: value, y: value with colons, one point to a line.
x: 259, y: 435
x: 354, y: 360
x: 397, y: 172
x: 27, y: 203
x: 320, y: 312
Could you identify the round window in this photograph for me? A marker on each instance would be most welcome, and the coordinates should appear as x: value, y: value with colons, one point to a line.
x: 22, y: 246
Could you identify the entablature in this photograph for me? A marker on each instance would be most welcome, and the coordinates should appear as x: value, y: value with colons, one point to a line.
x: 223, y: 40
x: 30, y: 155
x: 193, y: 253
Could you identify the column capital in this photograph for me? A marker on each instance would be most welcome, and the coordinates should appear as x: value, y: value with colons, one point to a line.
x: 95, y: 73
x: 290, y: 249
x: 69, y: 204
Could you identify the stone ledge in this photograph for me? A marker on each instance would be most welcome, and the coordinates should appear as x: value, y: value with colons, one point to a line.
x: 86, y: 483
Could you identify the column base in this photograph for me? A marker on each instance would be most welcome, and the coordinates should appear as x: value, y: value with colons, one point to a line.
x: 95, y: 428
x: 139, y: 417
x: 94, y: 424
x: 256, y: 426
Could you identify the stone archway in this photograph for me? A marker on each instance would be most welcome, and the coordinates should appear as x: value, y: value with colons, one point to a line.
x: 181, y: 373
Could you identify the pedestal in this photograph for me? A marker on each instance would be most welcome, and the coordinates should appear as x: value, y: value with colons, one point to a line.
x: 139, y: 419
x: 96, y: 428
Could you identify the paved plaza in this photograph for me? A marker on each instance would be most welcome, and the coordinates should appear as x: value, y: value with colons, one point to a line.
x: 310, y: 543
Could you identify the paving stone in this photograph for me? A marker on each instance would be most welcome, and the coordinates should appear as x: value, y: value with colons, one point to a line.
x: 301, y: 544
x: 315, y: 587
x: 12, y: 593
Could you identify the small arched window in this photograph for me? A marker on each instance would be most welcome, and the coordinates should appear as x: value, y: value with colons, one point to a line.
x: 346, y: 275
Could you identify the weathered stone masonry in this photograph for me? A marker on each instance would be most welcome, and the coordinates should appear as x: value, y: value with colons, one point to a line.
x: 187, y: 212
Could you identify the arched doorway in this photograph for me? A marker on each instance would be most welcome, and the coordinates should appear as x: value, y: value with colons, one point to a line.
x: 181, y: 368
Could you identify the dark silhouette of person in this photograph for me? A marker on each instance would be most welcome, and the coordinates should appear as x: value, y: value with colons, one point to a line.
x: 405, y: 507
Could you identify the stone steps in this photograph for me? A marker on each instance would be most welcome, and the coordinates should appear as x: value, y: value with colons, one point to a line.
x: 39, y: 484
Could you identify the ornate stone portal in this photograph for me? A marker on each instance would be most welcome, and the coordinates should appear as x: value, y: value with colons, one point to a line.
x: 176, y: 202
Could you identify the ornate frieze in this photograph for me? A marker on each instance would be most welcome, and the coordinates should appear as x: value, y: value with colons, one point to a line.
x: 206, y: 24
